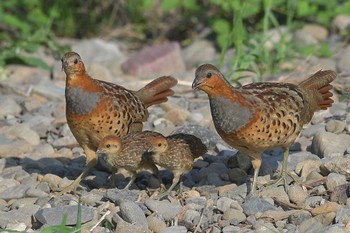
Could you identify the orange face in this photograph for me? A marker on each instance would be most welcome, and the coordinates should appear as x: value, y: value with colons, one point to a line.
x: 109, y: 145
x: 158, y: 144
x: 72, y: 63
x: 208, y: 79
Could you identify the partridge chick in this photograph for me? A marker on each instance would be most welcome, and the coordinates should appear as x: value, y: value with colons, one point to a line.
x: 260, y: 116
x: 130, y: 153
x: 176, y: 153
x: 95, y: 108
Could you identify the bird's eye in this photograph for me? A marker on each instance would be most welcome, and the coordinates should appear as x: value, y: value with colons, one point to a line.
x: 159, y: 145
x: 208, y: 75
x: 108, y: 145
x: 75, y: 61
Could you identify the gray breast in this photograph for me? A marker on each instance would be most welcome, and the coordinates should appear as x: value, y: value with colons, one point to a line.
x: 227, y: 115
x: 81, y: 102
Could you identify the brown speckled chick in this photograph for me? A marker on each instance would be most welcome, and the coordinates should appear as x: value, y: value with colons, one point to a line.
x: 176, y: 153
x: 95, y: 108
x: 261, y: 116
x: 130, y: 153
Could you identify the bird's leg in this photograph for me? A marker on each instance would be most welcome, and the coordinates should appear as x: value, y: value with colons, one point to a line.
x: 282, y: 177
x: 91, y: 163
x: 256, y: 162
x: 132, y: 179
x: 113, y: 178
x: 175, y: 182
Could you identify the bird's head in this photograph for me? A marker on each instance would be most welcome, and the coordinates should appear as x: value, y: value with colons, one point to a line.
x: 109, y: 146
x: 159, y: 144
x: 72, y: 63
x: 208, y: 79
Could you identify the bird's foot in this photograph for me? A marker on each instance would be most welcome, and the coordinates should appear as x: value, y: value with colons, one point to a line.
x: 70, y: 188
x: 282, y: 180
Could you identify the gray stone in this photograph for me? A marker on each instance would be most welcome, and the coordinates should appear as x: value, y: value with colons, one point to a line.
x: 198, y: 52
x: 329, y: 144
x: 299, y: 217
x: 54, y: 216
x: 336, y: 228
x: 41, y: 124
x: 231, y: 229
x: 133, y: 214
x: 234, y: 216
x: 337, y: 165
x: 33, y: 192
x: 22, y: 131
x: 224, y: 203
x: 191, y: 216
x: 276, y: 193
x: 98, y: 51
x: 49, y: 90
x: 164, y: 208
x: 237, y: 176
x: 155, y: 60
x: 254, y: 205
x: 8, y: 106
x: 200, y: 164
x: 333, y: 180
x: 213, y: 178
x: 15, y: 192
x: 125, y: 227
x: 240, y: 160
x: 335, y: 126
x: 7, y: 183
x: 175, y: 229
x: 312, y: 130
x: 120, y: 195
x: 21, y: 215
x: 343, y: 215
x: 218, y: 168
x: 297, y: 194
x: 265, y: 227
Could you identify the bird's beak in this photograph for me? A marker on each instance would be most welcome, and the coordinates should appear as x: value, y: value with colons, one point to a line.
x: 64, y: 65
x: 196, y: 83
x: 150, y: 150
x: 99, y: 152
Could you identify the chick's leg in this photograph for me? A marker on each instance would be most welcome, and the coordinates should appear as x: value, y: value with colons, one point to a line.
x: 91, y: 160
x: 132, y: 179
x: 176, y: 180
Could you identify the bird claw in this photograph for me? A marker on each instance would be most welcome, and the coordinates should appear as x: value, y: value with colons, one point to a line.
x: 281, y: 180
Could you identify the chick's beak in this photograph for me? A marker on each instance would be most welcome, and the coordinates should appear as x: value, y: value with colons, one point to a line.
x: 150, y: 150
x: 99, y: 152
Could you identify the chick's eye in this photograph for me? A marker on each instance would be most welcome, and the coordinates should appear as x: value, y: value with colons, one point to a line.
x: 75, y: 61
x: 108, y: 145
x: 159, y: 145
x: 209, y: 75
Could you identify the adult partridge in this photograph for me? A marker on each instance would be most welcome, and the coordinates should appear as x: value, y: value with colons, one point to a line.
x: 176, y: 153
x: 129, y: 153
x: 260, y: 116
x: 95, y: 108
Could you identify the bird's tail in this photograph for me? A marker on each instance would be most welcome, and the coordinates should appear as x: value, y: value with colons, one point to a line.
x: 320, y: 82
x: 157, y: 91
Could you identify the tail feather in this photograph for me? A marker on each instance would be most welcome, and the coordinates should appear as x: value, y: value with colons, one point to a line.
x: 157, y: 91
x: 320, y: 82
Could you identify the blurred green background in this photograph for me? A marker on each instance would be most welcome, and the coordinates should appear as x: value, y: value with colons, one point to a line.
x: 27, y: 25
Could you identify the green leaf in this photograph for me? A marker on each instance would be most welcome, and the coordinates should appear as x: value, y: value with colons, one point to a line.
x: 168, y: 5
x: 221, y: 26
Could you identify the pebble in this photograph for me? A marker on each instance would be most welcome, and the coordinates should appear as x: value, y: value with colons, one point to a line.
x: 164, y: 208
x: 175, y: 229
x: 297, y: 194
x: 133, y: 214
x: 335, y: 126
x: 8, y: 106
x: 333, y: 180
x: 328, y: 144
x: 254, y: 205
x: 54, y: 216
x: 156, y: 224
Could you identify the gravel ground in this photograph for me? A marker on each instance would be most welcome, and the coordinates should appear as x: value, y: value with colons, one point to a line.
x: 38, y: 155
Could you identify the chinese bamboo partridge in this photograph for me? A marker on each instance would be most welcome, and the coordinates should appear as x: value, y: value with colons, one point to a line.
x: 130, y: 153
x: 95, y: 108
x: 261, y: 116
x: 176, y: 153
